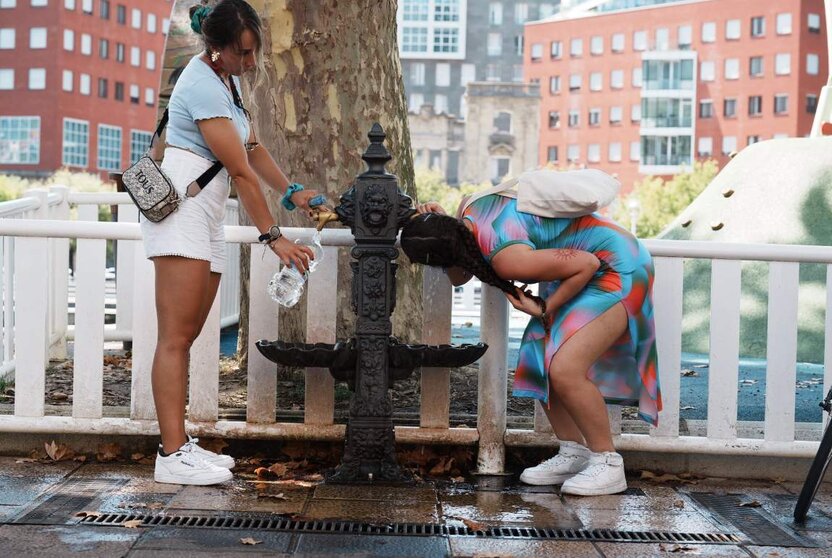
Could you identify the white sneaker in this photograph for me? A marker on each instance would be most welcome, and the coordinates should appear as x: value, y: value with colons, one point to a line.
x: 604, y: 474
x: 184, y: 466
x: 213, y: 458
x: 570, y: 459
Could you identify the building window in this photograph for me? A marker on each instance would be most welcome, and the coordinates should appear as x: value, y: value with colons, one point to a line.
x: 811, y: 104
x: 135, y: 56
x: 84, y: 84
x: 617, y: 42
x: 729, y: 145
x: 86, y: 44
x: 415, y: 10
x: 684, y: 37
x: 574, y: 118
x: 575, y: 82
x: 75, y: 150
x: 103, y: 48
x: 39, y: 3
x: 635, y: 112
x: 732, y: 68
x: 552, y: 154
x: 440, y: 104
x: 662, y: 38
x: 136, y: 18
x: 7, y: 4
x: 812, y: 64
x: 102, y: 88
x: 709, y: 32
x: 109, y: 147
x: 537, y: 52
x: 37, y: 37
x: 19, y: 140
x: 417, y: 73
x: 594, y: 117
x: 521, y: 12
x: 104, y: 9
x: 617, y: 79
x: 546, y: 10
x: 596, y: 45
x: 596, y: 81
x: 121, y: 14
x: 755, y: 66
x: 783, y: 64
x: 500, y: 168
x: 414, y: 100
x: 729, y: 108
x: 753, y: 139
x: 86, y: 7
x: 706, y: 109
x: 733, y: 30
x: 554, y: 119
x: 120, y: 52
x: 554, y: 85
x: 37, y: 78
x: 151, y: 23
x: 755, y: 105
x: 637, y: 77
x: 593, y: 153
x: 492, y: 72
x: 502, y: 122
x: 69, y: 39
x: 813, y: 21
x: 150, y: 60
x: 615, y: 152
x: 446, y: 10
x: 495, y: 13
x: 573, y: 153
x: 615, y: 115
x: 707, y: 70
x: 165, y: 25
x: 758, y: 26
x: 705, y: 147
x: 635, y: 150
x: 443, y: 74
x: 69, y: 4
x: 556, y: 49
x: 139, y: 142
x: 118, y: 91
x: 495, y: 44
x: 781, y: 104
x: 7, y: 38
x: 446, y: 40
x: 149, y: 96
x: 6, y: 79
x: 66, y: 80
x: 639, y: 40
x: 467, y: 74
x: 576, y: 47
x: 784, y: 24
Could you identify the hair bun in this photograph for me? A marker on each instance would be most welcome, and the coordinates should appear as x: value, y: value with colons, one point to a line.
x: 198, y: 15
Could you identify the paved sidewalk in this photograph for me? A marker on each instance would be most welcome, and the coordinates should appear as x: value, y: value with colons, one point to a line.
x: 40, y: 505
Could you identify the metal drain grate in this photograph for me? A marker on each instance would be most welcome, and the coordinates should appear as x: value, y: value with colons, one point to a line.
x: 58, y: 506
x: 761, y: 528
x: 408, y: 529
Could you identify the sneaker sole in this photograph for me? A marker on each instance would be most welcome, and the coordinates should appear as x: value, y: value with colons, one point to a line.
x: 598, y: 491
x: 545, y: 481
x: 165, y: 478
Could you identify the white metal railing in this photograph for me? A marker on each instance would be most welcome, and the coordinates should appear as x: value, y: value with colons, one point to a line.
x: 33, y: 237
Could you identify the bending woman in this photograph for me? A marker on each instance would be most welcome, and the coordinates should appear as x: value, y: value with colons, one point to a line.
x: 590, y: 339
x: 207, y: 123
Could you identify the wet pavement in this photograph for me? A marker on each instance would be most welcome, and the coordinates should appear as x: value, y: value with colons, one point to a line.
x: 116, y: 509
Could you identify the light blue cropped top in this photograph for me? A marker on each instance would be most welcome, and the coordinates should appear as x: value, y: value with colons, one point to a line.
x: 200, y: 94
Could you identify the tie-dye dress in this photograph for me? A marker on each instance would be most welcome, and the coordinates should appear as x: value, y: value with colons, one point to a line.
x: 627, y: 373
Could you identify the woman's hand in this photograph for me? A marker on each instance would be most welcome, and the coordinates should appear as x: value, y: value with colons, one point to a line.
x: 430, y: 207
x: 525, y: 302
x: 302, y: 198
x: 290, y: 253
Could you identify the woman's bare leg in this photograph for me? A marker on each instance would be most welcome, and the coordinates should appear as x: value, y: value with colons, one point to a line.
x: 568, y: 376
x: 562, y: 423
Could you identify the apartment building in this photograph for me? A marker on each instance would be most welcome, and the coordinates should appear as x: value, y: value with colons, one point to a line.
x: 79, y: 81
x: 646, y: 87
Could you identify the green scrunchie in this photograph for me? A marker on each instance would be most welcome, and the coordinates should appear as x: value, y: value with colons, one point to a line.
x: 199, y: 15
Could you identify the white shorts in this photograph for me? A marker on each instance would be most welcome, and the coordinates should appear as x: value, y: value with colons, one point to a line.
x: 195, y: 230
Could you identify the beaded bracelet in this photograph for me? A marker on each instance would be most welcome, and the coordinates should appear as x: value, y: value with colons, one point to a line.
x: 287, y: 197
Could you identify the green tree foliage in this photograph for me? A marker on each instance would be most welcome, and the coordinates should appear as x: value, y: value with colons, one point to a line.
x: 431, y: 186
x: 660, y: 201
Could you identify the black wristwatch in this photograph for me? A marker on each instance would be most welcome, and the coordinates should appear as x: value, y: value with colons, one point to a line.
x: 270, y: 236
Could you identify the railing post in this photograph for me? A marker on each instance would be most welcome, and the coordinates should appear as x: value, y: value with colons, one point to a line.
x: 437, y: 294
x: 493, y: 382
x: 204, y: 385
x: 126, y: 271
x: 59, y: 277
x: 144, y: 338
x: 31, y: 317
x: 263, y: 323
x: 321, y: 317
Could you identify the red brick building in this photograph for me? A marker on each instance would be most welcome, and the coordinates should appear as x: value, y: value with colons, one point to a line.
x: 79, y: 81
x: 648, y: 90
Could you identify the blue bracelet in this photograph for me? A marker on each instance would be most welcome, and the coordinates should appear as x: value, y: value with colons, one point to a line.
x: 287, y: 197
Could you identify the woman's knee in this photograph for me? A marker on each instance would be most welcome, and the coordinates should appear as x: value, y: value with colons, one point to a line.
x: 176, y: 342
x: 562, y: 381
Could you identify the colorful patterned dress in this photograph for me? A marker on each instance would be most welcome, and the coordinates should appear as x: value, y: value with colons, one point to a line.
x: 627, y: 373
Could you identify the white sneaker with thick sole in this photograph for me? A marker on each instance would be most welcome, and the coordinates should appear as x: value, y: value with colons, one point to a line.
x: 570, y: 459
x: 184, y: 466
x: 604, y: 474
x: 213, y: 458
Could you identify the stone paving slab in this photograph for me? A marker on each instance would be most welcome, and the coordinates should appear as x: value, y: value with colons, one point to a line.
x: 373, y: 511
x: 36, y: 541
x: 498, y: 508
x: 372, y: 545
x: 218, y: 541
x: 382, y: 493
x: 651, y: 550
x: 241, y: 497
x: 469, y: 546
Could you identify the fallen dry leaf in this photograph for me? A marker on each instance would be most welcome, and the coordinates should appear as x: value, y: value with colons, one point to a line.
x: 678, y: 548
x: 137, y: 456
x: 108, y: 452
x: 26, y: 460
x: 88, y: 514
x: 750, y: 504
x: 471, y: 524
x: 272, y: 496
x: 57, y: 452
x: 155, y: 506
x: 250, y: 541
x: 457, y: 479
x: 679, y: 504
x: 132, y: 524
x: 58, y: 396
x: 80, y: 458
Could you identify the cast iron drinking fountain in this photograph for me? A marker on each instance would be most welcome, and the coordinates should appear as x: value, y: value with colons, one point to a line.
x: 375, y: 209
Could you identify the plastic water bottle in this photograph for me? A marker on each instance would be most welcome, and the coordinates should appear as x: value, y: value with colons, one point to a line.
x: 286, y: 287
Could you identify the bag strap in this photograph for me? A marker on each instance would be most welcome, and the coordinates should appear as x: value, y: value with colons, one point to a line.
x: 204, y: 178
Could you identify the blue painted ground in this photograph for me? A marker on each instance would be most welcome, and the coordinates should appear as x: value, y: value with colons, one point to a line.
x: 694, y: 386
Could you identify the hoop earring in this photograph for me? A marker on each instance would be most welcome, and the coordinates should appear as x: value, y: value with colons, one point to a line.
x: 215, y: 55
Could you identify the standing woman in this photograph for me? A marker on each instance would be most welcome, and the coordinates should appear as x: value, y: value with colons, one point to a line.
x: 590, y: 339
x: 207, y: 122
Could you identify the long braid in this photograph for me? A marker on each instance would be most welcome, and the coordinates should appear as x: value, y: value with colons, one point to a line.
x: 471, y: 259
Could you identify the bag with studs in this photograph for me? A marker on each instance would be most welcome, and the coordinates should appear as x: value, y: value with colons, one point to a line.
x: 149, y: 187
